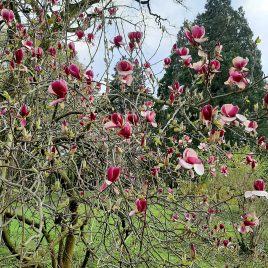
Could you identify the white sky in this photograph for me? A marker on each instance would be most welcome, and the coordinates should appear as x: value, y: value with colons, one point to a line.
x: 256, y: 12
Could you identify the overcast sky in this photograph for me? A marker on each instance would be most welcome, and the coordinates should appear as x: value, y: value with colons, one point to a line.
x: 256, y: 12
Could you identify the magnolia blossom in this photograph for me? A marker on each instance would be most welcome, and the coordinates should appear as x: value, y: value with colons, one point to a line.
x: 27, y: 43
x: 230, y: 113
x: 214, y: 66
x: 75, y: 71
x: 240, y: 63
x: 52, y: 51
x: 90, y: 38
x: 7, y: 15
x: 19, y: 55
x: 207, y: 114
x: 265, y: 100
x: 118, y: 41
x: 150, y: 117
x: 167, y: 62
x: 250, y: 126
x: 133, y: 118
x: 113, y: 174
x: 248, y: 221
x: 237, y: 78
x: 125, y: 70
x: 80, y: 34
x: 196, y: 35
x: 224, y: 170
x: 190, y: 160
x: 259, y: 190
x: 115, y: 122
x: 23, y: 112
x: 141, y: 206
x: 58, y: 88
x: 126, y: 131
x: 183, y: 52
x: 135, y: 37
x: 251, y: 161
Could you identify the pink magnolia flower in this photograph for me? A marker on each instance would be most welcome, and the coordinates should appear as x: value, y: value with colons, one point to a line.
x: 113, y: 174
x: 90, y: 38
x: 155, y: 171
x: 250, y: 126
x: 37, y: 52
x: 240, y: 63
x: 125, y: 70
x: 251, y: 161
x: 52, y: 51
x: 259, y: 186
x: 183, y: 52
x: 24, y: 112
x: 19, y: 55
x: 135, y: 37
x: 196, y: 35
x: 124, y: 67
x: 224, y: 170
x: 58, y: 88
x: 150, y: 117
x: 115, y: 122
x: 80, y: 34
x: 230, y: 113
x: 133, y: 118
x: 207, y: 113
x: 190, y: 160
x: 118, y: 41
x: 237, y: 78
x: 7, y: 15
x: 141, y: 206
x: 71, y: 46
x: 214, y: 66
x: 248, y: 221
x: 167, y: 62
x: 265, y: 100
x: 75, y: 71
x: 126, y: 131
x: 27, y: 43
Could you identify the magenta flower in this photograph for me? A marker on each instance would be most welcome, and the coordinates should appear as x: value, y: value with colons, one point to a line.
x: 265, y: 100
x: 7, y: 15
x: 167, y: 62
x: 125, y: 131
x: 150, y: 117
x: 135, y: 37
x: 115, y: 122
x: 23, y: 112
x: 52, y: 51
x: 27, y: 43
x: 58, y: 88
x: 183, y: 52
x: 230, y: 113
x: 207, y: 113
x: 248, y: 221
x: 240, y: 63
x: 133, y: 118
x: 37, y: 52
x: 259, y: 190
x: 141, y: 205
x: 80, y: 34
x: 124, y: 67
x: 196, y: 35
x: 113, y: 174
x: 19, y: 55
x: 118, y: 41
x: 237, y: 79
x: 250, y: 126
x: 190, y: 160
x: 75, y: 71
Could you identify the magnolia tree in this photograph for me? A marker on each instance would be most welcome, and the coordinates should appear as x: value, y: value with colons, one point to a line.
x: 83, y: 185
